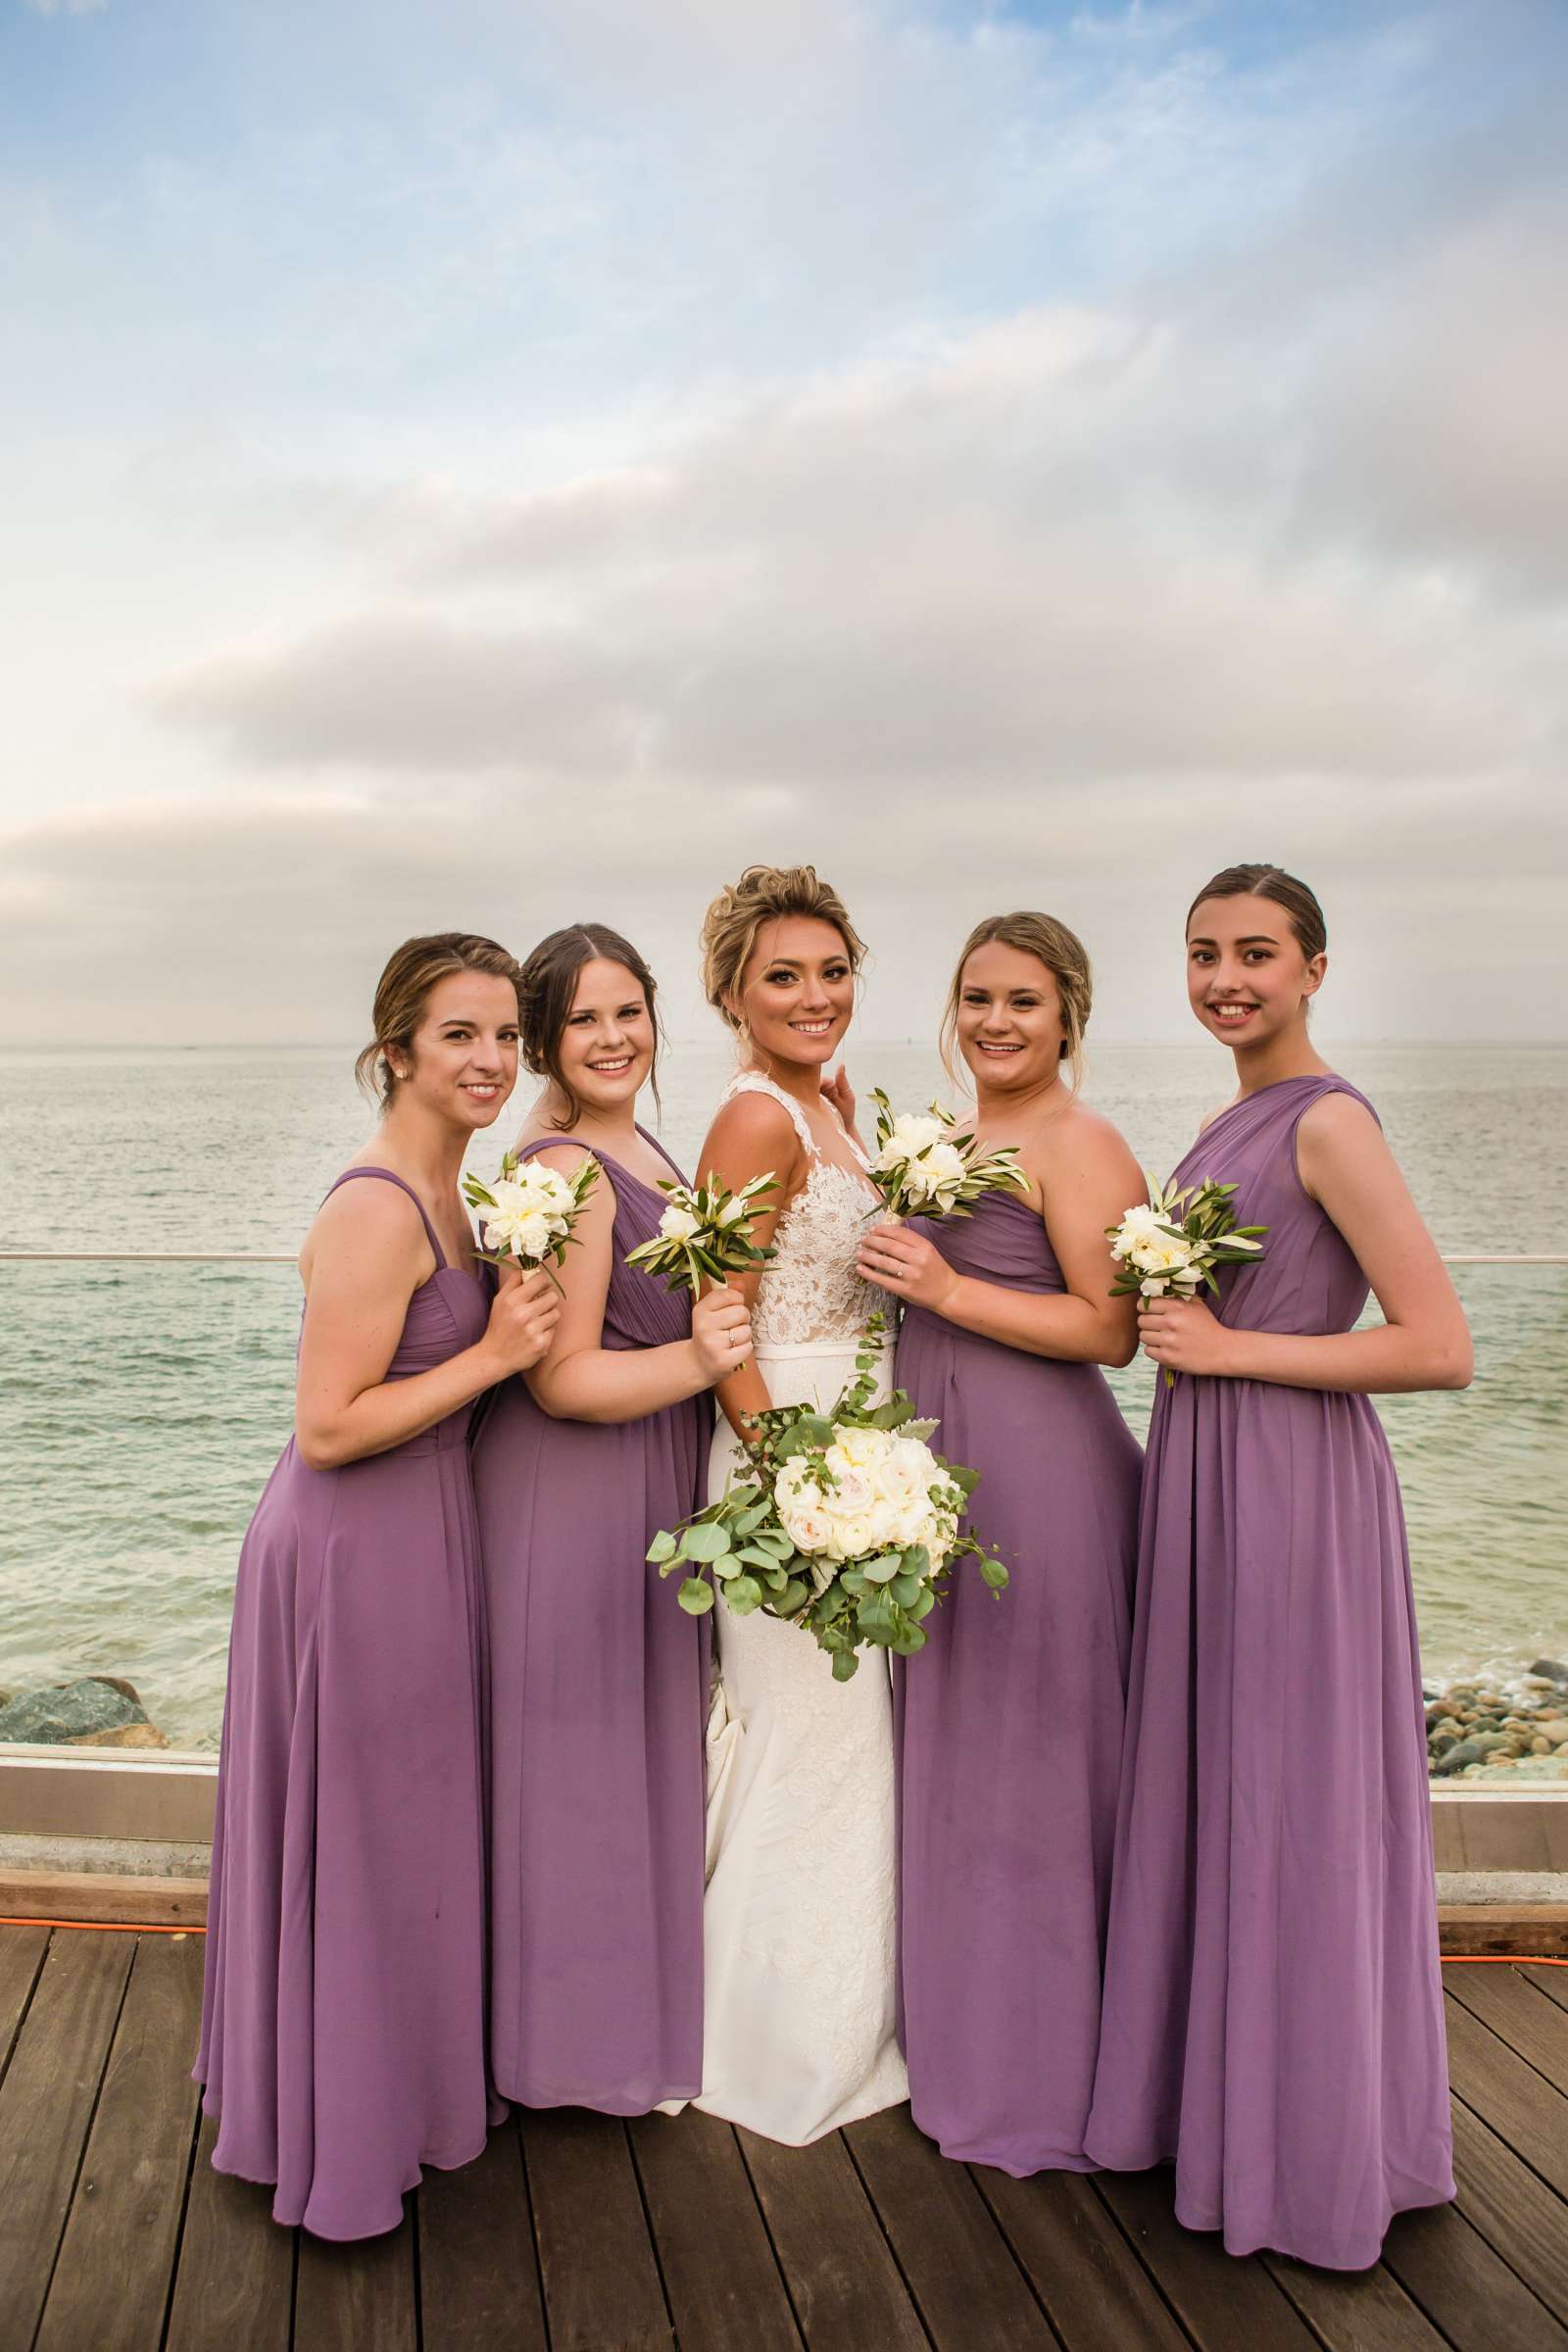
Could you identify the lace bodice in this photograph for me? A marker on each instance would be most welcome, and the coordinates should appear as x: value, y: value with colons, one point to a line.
x: 811, y: 1295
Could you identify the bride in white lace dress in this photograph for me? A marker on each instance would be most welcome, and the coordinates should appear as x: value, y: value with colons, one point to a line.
x: 799, y: 1916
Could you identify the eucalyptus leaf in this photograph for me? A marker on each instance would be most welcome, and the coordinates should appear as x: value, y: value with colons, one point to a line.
x: 995, y: 1574
x: 696, y: 1596
x: 662, y: 1547
x: 846, y: 1665
x: 707, y: 1541
x: 786, y: 1602
x: 742, y: 1594
x: 883, y: 1569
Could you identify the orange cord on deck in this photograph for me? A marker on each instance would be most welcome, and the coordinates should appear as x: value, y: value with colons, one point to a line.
x: 126, y: 1927
x: 105, y: 1927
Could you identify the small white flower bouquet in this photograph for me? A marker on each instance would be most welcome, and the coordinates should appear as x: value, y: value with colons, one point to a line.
x: 705, y: 1233
x: 923, y: 1167
x: 527, y: 1216
x: 843, y: 1522
x: 1168, y: 1247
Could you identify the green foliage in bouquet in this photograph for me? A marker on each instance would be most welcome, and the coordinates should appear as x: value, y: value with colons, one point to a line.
x: 765, y: 1543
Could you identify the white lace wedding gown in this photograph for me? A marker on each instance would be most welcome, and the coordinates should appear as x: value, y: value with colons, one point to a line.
x: 799, y: 1923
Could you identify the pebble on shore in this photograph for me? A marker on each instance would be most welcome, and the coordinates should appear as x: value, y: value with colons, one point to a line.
x: 1517, y: 1730
x: 101, y: 1710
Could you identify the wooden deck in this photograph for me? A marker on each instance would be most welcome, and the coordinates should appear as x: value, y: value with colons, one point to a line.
x: 575, y: 2232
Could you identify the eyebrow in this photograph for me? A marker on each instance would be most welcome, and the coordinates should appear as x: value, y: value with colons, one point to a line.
x: 1252, y: 939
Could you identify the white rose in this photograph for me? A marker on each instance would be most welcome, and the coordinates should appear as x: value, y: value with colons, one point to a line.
x: 732, y: 1212
x: 808, y: 1526
x: 851, y: 1485
x: 678, y: 1225
x: 851, y: 1537
x: 882, y: 1520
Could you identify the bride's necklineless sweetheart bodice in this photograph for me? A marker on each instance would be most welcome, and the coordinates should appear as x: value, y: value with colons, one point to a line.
x: 809, y: 1295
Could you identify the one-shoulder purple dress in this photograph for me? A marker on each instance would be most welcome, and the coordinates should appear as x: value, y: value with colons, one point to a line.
x: 1009, y: 1726
x: 1273, y: 2015
x: 343, y: 2021
x: 598, y: 1695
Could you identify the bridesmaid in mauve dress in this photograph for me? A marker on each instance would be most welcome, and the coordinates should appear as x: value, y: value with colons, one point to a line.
x: 343, y: 2024
x: 1009, y: 1721
x: 598, y: 1679
x: 1273, y: 2013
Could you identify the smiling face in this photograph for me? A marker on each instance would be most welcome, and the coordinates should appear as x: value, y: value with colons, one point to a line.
x: 797, y: 993
x: 1246, y: 978
x: 1009, y: 1023
x: 462, y: 1062
x: 607, y: 1043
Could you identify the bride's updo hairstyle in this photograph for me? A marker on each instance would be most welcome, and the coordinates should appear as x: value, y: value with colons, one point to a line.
x: 404, y: 990
x: 735, y: 920
x: 1272, y: 882
x: 547, y: 988
x: 1065, y: 958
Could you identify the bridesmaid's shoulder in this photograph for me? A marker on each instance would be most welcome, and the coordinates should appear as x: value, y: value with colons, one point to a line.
x: 368, y: 1223
x: 1337, y: 1127
x: 1077, y: 1129
x: 753, y: 1126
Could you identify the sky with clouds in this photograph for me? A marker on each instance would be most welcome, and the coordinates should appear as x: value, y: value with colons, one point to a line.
x: 490, y: 465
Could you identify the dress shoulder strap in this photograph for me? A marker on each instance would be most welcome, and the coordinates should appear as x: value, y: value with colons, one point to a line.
x: 757, y: 1082
x: 403, y: 1185
x: 1330, y: 1083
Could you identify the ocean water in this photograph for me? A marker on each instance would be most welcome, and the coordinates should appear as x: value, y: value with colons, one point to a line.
x: 141, y: 1408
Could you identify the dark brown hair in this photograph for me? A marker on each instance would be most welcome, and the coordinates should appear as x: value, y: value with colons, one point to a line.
x: 549, y: 987
x: 1065, y: 958
x: 764, y: 892
x: 404, y: 990
x: 1271, y: 882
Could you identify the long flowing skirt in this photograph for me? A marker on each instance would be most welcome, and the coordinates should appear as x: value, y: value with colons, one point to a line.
x: 799, y: 1925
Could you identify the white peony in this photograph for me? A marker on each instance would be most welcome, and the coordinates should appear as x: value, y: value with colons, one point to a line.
x: 862, y: 1447
x: 679, y: 1224
x: 913, y: 1133
x: 1138, y: 1227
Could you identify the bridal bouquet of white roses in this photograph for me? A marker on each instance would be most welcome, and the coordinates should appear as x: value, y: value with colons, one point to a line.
x: 842, y: 1522
x: 1168, y: 1247
x: 527, y: 1215
x: 707, y: 1231
x: 923, y: 1167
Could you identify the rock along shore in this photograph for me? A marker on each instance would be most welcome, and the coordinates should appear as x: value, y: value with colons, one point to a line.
x: 99, y: 1711
x: 1512, y: 1730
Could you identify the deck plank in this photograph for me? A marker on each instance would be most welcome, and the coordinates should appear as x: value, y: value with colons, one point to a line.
x: 1514, y: 2211
x: 21, y: 1951
x: 234, y: 2267
x: 1552, y: 1982
x: 111, y: 2283
x: 714, y: 2254
x: 46, y: 2104
x: 601, y: 2280
x: 1536, y: 2030
x: 966, y: 2286
x: 356, y: 2299
x: 1519, y: 2105
x: 1095, y: 2289
x: 1219, y: 2301
x: 478, y: 2266
x: 1356, y: 2311
x: 843, y: 2280
x: 1464, y: 2287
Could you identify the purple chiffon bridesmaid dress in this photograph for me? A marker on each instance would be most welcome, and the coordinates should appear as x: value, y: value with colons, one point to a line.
x: 1273, y: 2014
x: 598, y: 1695
x: 343, y: 2021
x: 1009, y: 1726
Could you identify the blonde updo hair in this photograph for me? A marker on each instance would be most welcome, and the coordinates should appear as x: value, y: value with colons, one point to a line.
x: 404, y: 990
x: 733, y: 923
x: 1065, y: 958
